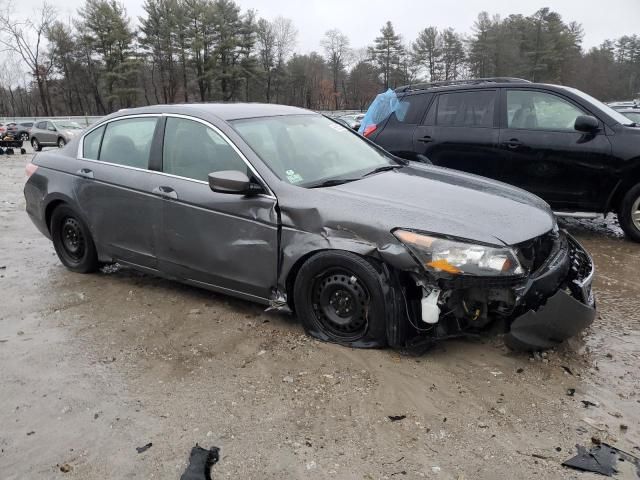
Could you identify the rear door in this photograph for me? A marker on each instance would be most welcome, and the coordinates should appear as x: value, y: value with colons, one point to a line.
x: 545, y: 155
x: 396, y: 136
x: 461, y: 131
x: 50, y: 134
x: 225, y: 241
x: 115, y: 190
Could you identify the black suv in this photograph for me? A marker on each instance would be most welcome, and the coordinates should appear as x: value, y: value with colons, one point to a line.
x: 565, y: 146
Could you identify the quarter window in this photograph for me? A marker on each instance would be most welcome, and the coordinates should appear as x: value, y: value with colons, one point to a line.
x: 193, y: 150
x: 466, y: 109
x: 128, y: 142
x: 411, y: 107
x: 91, y: 145
x: 540, y: 111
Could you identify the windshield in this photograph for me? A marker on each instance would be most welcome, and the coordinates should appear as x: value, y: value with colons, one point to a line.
x: 308, y: 150
x: 633, y: 116
x: 617, y: 116
x: 67, y: 125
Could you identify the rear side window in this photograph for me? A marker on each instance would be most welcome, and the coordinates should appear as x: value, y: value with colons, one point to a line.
x: 411, y: 108
x: 193, y: 150
x: 128, y: 142
x: 91, y: 145
x: 466, y: 109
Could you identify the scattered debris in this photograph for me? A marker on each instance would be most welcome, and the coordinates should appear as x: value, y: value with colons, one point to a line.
x: 20, y: 332
x: 435, y: 469
x: 602, y: 459
x: 65, y: 468
x: 194, y: 311
x: 624, y: 426
x: 597, y: 425
x: 396, y: 418
x: 567, y: 370
x: 571, y: 392
x: 520, y: 370
x: 589, y: 403
x: 144, y: 448
x: 288, y: 379
x: 30, y: 433
x: 200, y: 462
x: 311, y: 465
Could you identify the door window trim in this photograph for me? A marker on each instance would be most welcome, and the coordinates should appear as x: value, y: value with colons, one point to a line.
x: 80, y: 155
x: 504, y: 110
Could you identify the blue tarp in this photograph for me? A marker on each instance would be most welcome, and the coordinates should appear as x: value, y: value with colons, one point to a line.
x: 384, y: 105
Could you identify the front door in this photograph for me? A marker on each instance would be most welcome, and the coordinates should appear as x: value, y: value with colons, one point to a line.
x: 114, y: 189
x: 226, y: 241
x: 545, y: 155
x: 460, y: 131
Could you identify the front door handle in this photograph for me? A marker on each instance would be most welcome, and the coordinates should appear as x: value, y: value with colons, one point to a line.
x: 426, y: 139
x: 85, y: 172
x: 513, y: 143
x: 165, y: 192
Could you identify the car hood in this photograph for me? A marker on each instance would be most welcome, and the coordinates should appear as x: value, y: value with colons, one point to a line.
x: 425, y: 198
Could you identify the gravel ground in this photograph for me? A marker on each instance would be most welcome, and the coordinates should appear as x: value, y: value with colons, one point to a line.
x: 93, y: 366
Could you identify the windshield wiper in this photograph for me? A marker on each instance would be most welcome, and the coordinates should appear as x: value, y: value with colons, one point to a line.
x: 332, y: 182
x: 384, y: 168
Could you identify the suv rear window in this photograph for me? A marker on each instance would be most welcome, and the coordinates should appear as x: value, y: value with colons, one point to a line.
x: 466, y: 109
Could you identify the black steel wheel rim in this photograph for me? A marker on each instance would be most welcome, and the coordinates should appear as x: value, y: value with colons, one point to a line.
x: 340, y: 304
x: 73, y: 241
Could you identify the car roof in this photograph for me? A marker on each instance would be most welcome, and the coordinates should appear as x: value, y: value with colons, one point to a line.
x: 224, y: 111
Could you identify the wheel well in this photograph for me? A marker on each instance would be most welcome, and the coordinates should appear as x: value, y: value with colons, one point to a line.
x: 293, y: 274
x: 49, y: 211
x: 621, y: 191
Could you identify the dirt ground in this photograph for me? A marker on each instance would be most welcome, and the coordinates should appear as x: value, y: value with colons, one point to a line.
x: 93, y: 366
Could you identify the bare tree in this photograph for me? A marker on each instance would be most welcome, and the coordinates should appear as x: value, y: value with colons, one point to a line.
x: 285, y: 35
x: 337, y: 51
x: 26, y: 38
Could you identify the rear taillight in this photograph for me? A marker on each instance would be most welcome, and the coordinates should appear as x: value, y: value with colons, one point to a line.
x: 30, y: 169
x: 369, y: 129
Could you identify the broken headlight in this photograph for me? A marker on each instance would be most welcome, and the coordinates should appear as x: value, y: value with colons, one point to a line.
x: 460, y: 258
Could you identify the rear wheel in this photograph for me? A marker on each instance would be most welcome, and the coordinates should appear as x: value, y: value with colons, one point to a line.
x: 24, y: 136
x: 61, y: 142
x: 72, y: 241
x: 629, y: 213
x: 36, y: 145
x: 340, y: 298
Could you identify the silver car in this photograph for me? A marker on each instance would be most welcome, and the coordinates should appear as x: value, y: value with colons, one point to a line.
x: 51, y: 133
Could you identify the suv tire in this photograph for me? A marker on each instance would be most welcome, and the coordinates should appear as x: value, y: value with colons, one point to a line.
x: 629, y: 213
x: 36, y: 145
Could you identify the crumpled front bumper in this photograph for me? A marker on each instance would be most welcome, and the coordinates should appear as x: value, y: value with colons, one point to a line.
x: 566, y: 312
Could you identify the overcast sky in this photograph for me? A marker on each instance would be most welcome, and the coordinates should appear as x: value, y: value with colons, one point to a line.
x: 361, y: 20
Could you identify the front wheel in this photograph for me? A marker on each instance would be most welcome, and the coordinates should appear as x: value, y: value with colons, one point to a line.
x: 72, y: 241
x: 36, y: 145
x: 340, y: 298
x: 61, y: 142
x: 24, y: 136
x: 629, y: 213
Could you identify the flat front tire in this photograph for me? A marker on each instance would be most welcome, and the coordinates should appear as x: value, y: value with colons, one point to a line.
x: 72, y: 241
x: 340, y: 297
x: 629, y: 213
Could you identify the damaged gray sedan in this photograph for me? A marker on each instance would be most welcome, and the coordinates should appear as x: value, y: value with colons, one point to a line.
x: 284, y: 207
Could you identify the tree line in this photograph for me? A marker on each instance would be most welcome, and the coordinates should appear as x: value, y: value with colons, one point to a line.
x: 211, y: 50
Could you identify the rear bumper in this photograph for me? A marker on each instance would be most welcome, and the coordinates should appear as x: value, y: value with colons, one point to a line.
x: 563, y: 314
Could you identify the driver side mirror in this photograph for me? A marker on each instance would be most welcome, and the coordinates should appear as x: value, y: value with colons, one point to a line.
x: 586, y: 123
x: 234, y: 182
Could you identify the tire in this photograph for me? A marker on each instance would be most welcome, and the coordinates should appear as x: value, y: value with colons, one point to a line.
x: 629, y: 213
x: 24, y: 136
x: 340, y: 297
x: 61, y: 142
x: 36, y: 145
x: 72, y: 241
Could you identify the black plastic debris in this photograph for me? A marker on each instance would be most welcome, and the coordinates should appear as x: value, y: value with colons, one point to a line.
x: 601, y: 458
x: 571, y: 392
x: 144, y: 448
x: 589, y: 403
x: 397, y: 418
x: 567, y: 369
x: 200, y: 462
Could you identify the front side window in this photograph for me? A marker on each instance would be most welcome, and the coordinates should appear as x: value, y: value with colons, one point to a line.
x: 50, y: 127
x: 193, y: 150
x: 41, y: 125
x: 128, y: 142
x: 534, y: 110
x: 91, y: 145
x: 466, y: 109
x: 307, y: 150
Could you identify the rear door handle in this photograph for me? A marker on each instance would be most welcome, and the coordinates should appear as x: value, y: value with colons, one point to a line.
x: 165, y: 192
x: 426, y: 139
x: 513, y: 143
x: 85, y: 172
